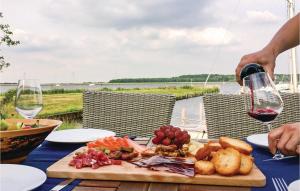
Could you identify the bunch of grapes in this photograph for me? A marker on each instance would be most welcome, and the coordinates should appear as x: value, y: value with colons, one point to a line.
x: 169, y: 135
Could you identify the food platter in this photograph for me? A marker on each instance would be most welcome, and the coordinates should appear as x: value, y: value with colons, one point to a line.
x: 225, y: 161
x: 130, y: 172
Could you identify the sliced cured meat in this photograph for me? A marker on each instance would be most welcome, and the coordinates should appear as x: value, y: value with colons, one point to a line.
x: 178, y: 165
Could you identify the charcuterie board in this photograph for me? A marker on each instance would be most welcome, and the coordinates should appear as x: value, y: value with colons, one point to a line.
x: 130, y: 172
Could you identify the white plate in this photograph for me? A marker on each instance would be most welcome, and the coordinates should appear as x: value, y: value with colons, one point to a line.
x: 78, y: 135
x: 294, y: 186
x: 20, y: 177
x: 259, y: 139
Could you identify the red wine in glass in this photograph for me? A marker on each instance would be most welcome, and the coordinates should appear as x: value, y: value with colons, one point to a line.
x: 263, y: 115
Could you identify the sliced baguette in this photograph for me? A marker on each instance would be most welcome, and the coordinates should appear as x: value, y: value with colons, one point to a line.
x: 227, y: 162
x: 204, y: 167
x: 237, y: 144
x: 246, y: 164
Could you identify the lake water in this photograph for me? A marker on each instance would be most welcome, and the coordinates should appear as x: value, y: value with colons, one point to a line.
x: 188, y: 113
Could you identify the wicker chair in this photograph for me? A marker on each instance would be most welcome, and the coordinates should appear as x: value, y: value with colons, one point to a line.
x: 226, y: 115
x: 126, y: 113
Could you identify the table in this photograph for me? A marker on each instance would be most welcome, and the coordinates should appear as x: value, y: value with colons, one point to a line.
x: 48, y: 153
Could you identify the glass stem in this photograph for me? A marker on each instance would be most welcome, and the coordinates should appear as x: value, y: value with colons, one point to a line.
x: 278, y: 155
x: 269, y: 126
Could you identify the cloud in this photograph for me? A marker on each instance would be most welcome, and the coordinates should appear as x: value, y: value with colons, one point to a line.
x: 211, y: 36
x: 128, y: 13
x: 262, y: 16
x: 99, y: 40
x: 113, y: 40
x: 33, y: 43
x: 171, y: 39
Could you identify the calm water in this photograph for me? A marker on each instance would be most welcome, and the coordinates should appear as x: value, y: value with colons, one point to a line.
x: 188, y: 113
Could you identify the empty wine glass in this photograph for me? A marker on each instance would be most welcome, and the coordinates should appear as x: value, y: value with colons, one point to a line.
x: 29, y: 101
x: 262, y: 101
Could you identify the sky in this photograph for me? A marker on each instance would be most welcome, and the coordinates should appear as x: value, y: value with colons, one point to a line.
x: 100, y: 40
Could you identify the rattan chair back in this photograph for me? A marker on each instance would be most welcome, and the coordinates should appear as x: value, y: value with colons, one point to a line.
x: 226, y: 115
x: 127, y: 113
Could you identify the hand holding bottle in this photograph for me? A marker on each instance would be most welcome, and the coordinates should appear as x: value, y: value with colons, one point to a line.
x: 265, y: 57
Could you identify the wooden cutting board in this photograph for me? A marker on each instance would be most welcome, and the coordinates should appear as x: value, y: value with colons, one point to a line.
x: 130, y: 172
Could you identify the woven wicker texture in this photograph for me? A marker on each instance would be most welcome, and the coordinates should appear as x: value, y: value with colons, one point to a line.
x: 126, y: 113
x: 226, y: 115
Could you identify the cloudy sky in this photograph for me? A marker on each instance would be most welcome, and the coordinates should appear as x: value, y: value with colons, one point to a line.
x: 99, y: 40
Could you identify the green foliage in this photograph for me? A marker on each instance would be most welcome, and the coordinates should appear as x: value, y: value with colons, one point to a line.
x: 8, y: 96
x: 6, y: 39
x: 69, y: 125
x: 106, y: 89
x: 187, y: 87
x: 193, y: 78
x: 183, y: 78
x: 180, y: 92
x: 62, y: 91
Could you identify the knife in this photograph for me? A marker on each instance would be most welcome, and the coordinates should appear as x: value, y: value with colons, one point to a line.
x: 62, y: 184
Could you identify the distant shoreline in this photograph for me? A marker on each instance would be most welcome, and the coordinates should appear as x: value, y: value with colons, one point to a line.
x: 193, y: 79
x: 106, y: 83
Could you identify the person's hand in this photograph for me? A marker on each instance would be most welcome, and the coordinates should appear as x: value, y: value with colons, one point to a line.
x: 286, y: 138
x: 265, y: 57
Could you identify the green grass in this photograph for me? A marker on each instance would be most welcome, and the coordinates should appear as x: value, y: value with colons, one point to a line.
x: 54, y: 103
x: 179, y: 92
x: 69, y: 125
x: 71, y: 102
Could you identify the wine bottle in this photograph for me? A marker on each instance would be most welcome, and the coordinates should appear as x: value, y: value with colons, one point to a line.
x: 251, y: 69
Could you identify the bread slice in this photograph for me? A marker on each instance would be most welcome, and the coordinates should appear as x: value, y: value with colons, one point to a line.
x: 227, y: 161
x: 246, y: 164
x: 237, y: 144
x: 204, y: 167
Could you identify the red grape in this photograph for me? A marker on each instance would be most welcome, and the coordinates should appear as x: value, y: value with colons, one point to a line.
x: 160, y: 135
x: 166, y: 141
x: 156, y: 131
x: 173, y: 129
x: 171, y: 134
x: 155, y: 140
x: 185, y: 137
x: 167, y: 131
x: 178, y: 134
x: 185, y: 132
x: 176, y: 141
x: 163, y: 128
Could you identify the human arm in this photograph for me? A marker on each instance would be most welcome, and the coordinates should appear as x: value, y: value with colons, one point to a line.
x: 286, y: 38
x: 286, y: 138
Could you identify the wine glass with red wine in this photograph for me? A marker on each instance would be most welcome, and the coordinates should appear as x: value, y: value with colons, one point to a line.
x: 262, y: 100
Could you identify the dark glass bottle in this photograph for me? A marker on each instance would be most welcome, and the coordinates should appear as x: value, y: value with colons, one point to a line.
x: 251, y: 69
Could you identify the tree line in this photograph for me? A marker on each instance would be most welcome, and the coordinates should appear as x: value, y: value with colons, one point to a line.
x: 194, y: 78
